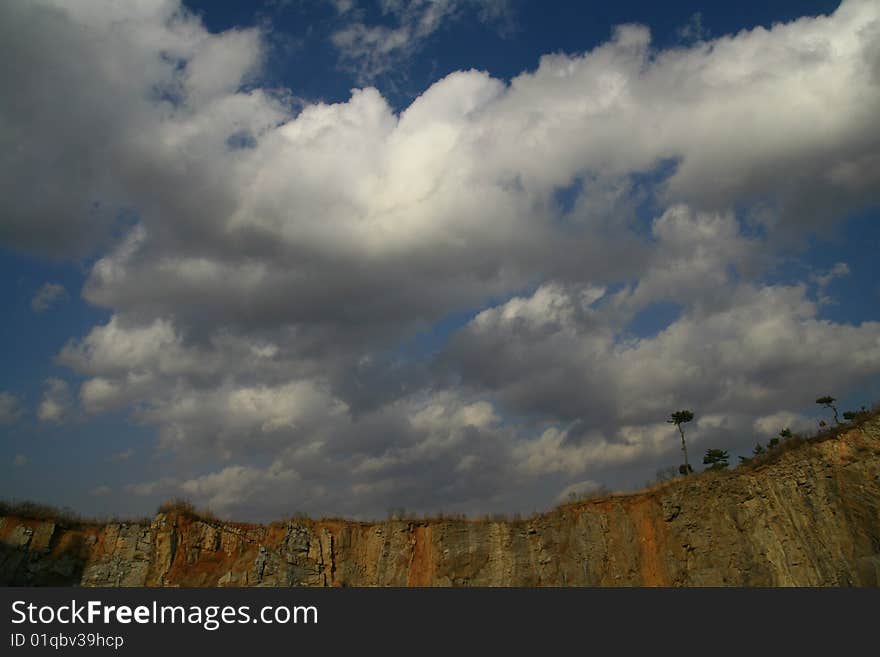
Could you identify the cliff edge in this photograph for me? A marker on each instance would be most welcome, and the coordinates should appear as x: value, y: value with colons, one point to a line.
x: 808, y: 516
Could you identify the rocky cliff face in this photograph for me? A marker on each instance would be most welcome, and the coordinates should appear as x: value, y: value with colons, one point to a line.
x: 811, y: 516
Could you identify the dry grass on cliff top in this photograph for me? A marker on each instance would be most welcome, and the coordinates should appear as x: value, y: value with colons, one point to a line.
x: 798, y: 440
x: 65, y: 516
x: 182, y: 507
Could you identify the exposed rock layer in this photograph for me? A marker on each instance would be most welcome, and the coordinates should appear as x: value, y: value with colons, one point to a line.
x: 809, y: 517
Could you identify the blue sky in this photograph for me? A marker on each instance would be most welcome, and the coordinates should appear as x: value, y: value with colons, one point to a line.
x: 505, y: 46
x: 341, y: 257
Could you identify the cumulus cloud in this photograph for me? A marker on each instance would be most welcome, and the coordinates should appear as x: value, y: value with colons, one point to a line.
x: 426, y: 452
x: 47, y: 296
x: 57, y: 403
x: 233, y: 418
x: 738, y: 350
x: 261, y: 263
x: 96, y: 82
x: 766, y: 340
x: 11, y: 410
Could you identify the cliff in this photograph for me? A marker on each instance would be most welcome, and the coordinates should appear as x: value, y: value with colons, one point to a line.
x: 809, y: 515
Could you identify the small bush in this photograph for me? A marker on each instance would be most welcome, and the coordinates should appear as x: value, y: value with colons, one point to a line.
x: 183, y: 507
x: 36, y: 511
x: 599, y: 492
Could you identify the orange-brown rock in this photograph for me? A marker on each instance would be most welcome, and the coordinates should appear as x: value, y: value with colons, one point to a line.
x: 810, y: 516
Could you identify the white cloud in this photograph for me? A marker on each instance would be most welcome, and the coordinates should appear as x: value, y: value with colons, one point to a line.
x: 824, y: 278
x: 342, y: 6
x: 235, y: 418
x: 693, y: 30
x: 151, y: 487
x: 11, y: 410
x: 238, y: 486
x: 56, y: 404
x: 98, y: 83
x: 738, y: 352
x: 47, y: 296
x: 435, y: 451
x: 770, y: 425
x: 578, y: 490
x: 115, y: 347
x: 372, y: 50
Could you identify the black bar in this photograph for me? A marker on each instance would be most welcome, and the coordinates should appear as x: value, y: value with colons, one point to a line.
x: 463, y: 621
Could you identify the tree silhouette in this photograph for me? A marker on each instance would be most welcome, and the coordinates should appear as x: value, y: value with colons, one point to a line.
x: 852, y: 416
x: 828, y: 402
x: 716, y: 459
x: 785, y: 433
x: 679, y: 418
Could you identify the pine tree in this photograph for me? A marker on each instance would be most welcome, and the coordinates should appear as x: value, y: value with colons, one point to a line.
x: 828, y: 402
x: 679, y: 418
x: 716, y: 459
